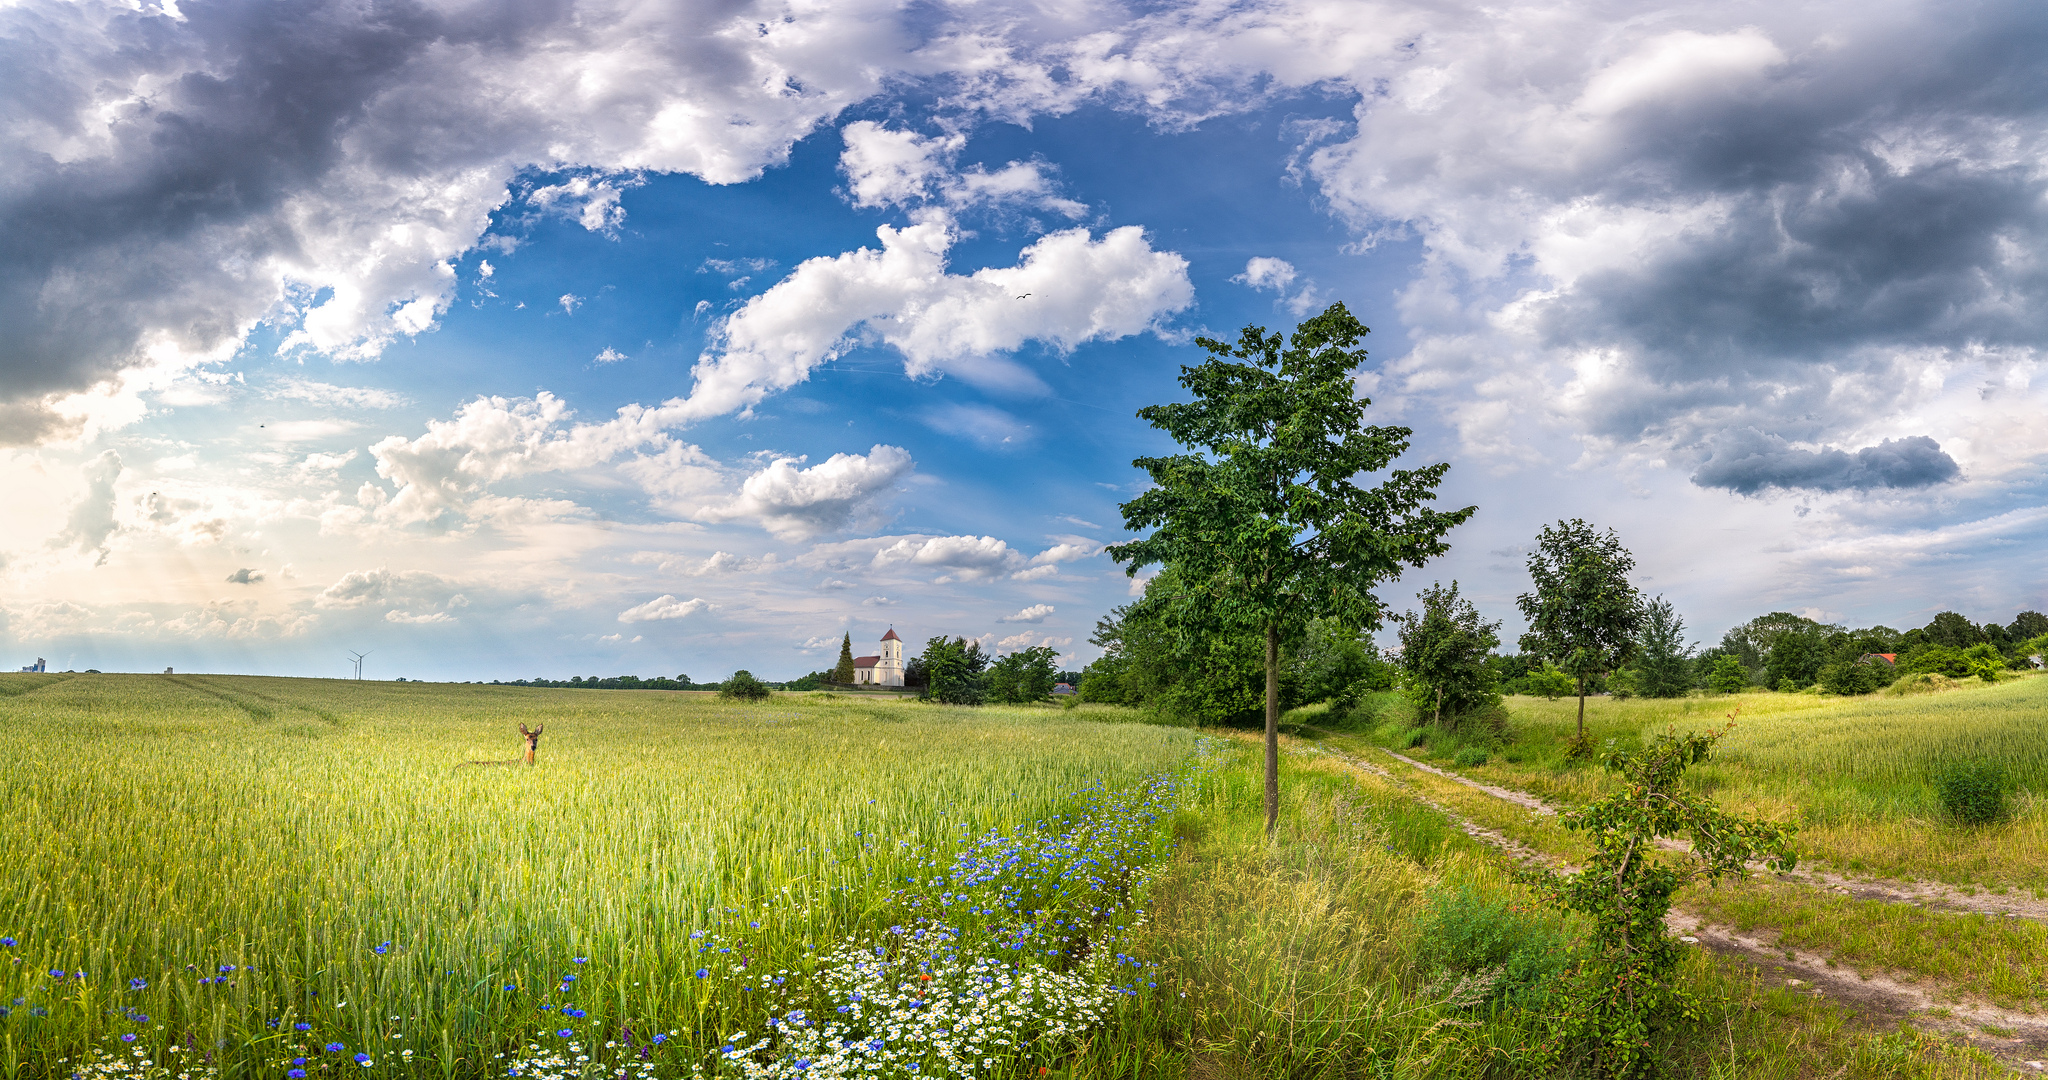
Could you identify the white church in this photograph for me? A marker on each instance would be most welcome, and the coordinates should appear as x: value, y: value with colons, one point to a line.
x: 883, y: 670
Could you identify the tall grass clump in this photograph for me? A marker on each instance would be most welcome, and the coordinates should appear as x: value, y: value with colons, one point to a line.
x: 1974, y: 792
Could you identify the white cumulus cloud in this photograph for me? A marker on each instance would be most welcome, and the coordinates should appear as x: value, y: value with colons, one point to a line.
x: 1066, y: 289
x: 796, y: 503
x: 665, y: 606
x: 1036, y: 613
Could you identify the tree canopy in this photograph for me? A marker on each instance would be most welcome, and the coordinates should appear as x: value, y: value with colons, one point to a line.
x: 1584, y: 616
x: 1265, y: 519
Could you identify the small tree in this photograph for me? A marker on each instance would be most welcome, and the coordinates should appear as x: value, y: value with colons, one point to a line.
x: 1444, y: 650
x: 743, y: 687
x: 1266, y: 520
x: 1663, y: 663
x: 1728, y: 676
x: 1584, y: 615
x: 842, y: 672
x: 1621, y: 989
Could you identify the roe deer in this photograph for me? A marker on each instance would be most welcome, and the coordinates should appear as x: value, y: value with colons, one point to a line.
x: 532, y: 744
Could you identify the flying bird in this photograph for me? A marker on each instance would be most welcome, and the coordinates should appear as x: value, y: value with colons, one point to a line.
x: 1026, y: 296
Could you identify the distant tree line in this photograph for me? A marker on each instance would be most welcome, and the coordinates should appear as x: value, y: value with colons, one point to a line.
x: 615, y: 682
x: 1591, y: 632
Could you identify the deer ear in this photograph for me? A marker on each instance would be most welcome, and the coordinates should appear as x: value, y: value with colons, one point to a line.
x: 522, y: 729
x: 536, y: 729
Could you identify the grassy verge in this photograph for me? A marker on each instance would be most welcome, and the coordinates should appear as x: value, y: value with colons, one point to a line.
x: 1318, y: 955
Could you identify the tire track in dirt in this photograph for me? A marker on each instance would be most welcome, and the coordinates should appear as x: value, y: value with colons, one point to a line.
x: 1928, y: 895
x: 2017, y: 1039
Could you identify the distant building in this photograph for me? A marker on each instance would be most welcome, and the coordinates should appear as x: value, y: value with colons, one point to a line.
x: 883, y: 670
x: 1060, y: 689
x: 37, y: 666
x: 1890, y: 660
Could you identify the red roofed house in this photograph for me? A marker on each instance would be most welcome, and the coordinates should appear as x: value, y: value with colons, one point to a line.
x: 1890, y: 659
x: 883, y: 670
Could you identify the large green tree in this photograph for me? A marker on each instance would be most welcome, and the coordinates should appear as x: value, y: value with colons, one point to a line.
x: 952, y: 668
x: 1265, y: 518
x: 1584, y: 615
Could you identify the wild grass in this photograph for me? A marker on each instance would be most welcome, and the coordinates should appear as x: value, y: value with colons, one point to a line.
x: 233, y: 857
x: 212, y: 862
x: 1857, y: 774
x: 1305, y: 958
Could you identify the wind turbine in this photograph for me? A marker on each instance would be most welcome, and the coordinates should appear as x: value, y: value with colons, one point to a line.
x: 358, y: 658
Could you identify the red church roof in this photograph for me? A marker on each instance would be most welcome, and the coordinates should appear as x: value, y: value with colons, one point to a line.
x: 865, y: 661
x: 891, y: 636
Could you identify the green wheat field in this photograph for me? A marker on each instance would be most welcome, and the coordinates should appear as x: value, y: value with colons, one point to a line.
x: 230, y: 858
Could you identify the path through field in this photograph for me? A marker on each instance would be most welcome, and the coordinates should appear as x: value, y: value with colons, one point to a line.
x: 2019, y: 1039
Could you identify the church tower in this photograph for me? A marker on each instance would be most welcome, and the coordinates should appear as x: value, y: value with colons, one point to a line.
x: 889, y: 665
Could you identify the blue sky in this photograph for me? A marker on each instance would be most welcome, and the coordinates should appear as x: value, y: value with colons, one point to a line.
x: 664, y: 338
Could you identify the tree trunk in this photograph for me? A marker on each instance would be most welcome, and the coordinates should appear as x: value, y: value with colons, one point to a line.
x: 1272, y: 728
x: 1582, y: 707
x: 1439, y: 720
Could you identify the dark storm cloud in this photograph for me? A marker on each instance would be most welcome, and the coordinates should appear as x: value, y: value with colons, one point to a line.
x: 169, y: 181
x: 174, y: 205
x: 1750, y: 462
x: 1880, y: 194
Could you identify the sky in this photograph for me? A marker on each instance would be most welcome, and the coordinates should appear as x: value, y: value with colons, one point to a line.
x: 548, y: 338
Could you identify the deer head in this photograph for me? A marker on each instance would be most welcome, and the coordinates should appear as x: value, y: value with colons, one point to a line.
x: 532, y: 740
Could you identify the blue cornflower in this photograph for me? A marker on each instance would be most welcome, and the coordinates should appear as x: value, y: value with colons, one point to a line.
x: 659, y: 1039
x: 726, y: 1049
x: 581, y: 960
x: 56, y: 973
x: 7, y: 942
x: 296, y: 1074
x: 703, y: 973
x: 564, y: 1033
x: 225, y: 968
x: 137, y: 984
x: 362, y: 1059
x: 510, y: 987
x: 568, y: 978
x: 298, y: 1061
x: 334, y: 1048
x: 302, y: 1026
x: 129, y: 1037
x: 379, y: 950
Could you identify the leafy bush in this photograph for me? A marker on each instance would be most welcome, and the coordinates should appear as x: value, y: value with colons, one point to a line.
x: 1848, y: 677
x: 1624, y: 987
x: 1469, y: 756
x: 1548, y: 682
x: 1481, y: 949
x: 743, y: 687
x: 1728, y: 676
x: 1985, y: 661
x: 1975, y: 792
x: 1936, y: 660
